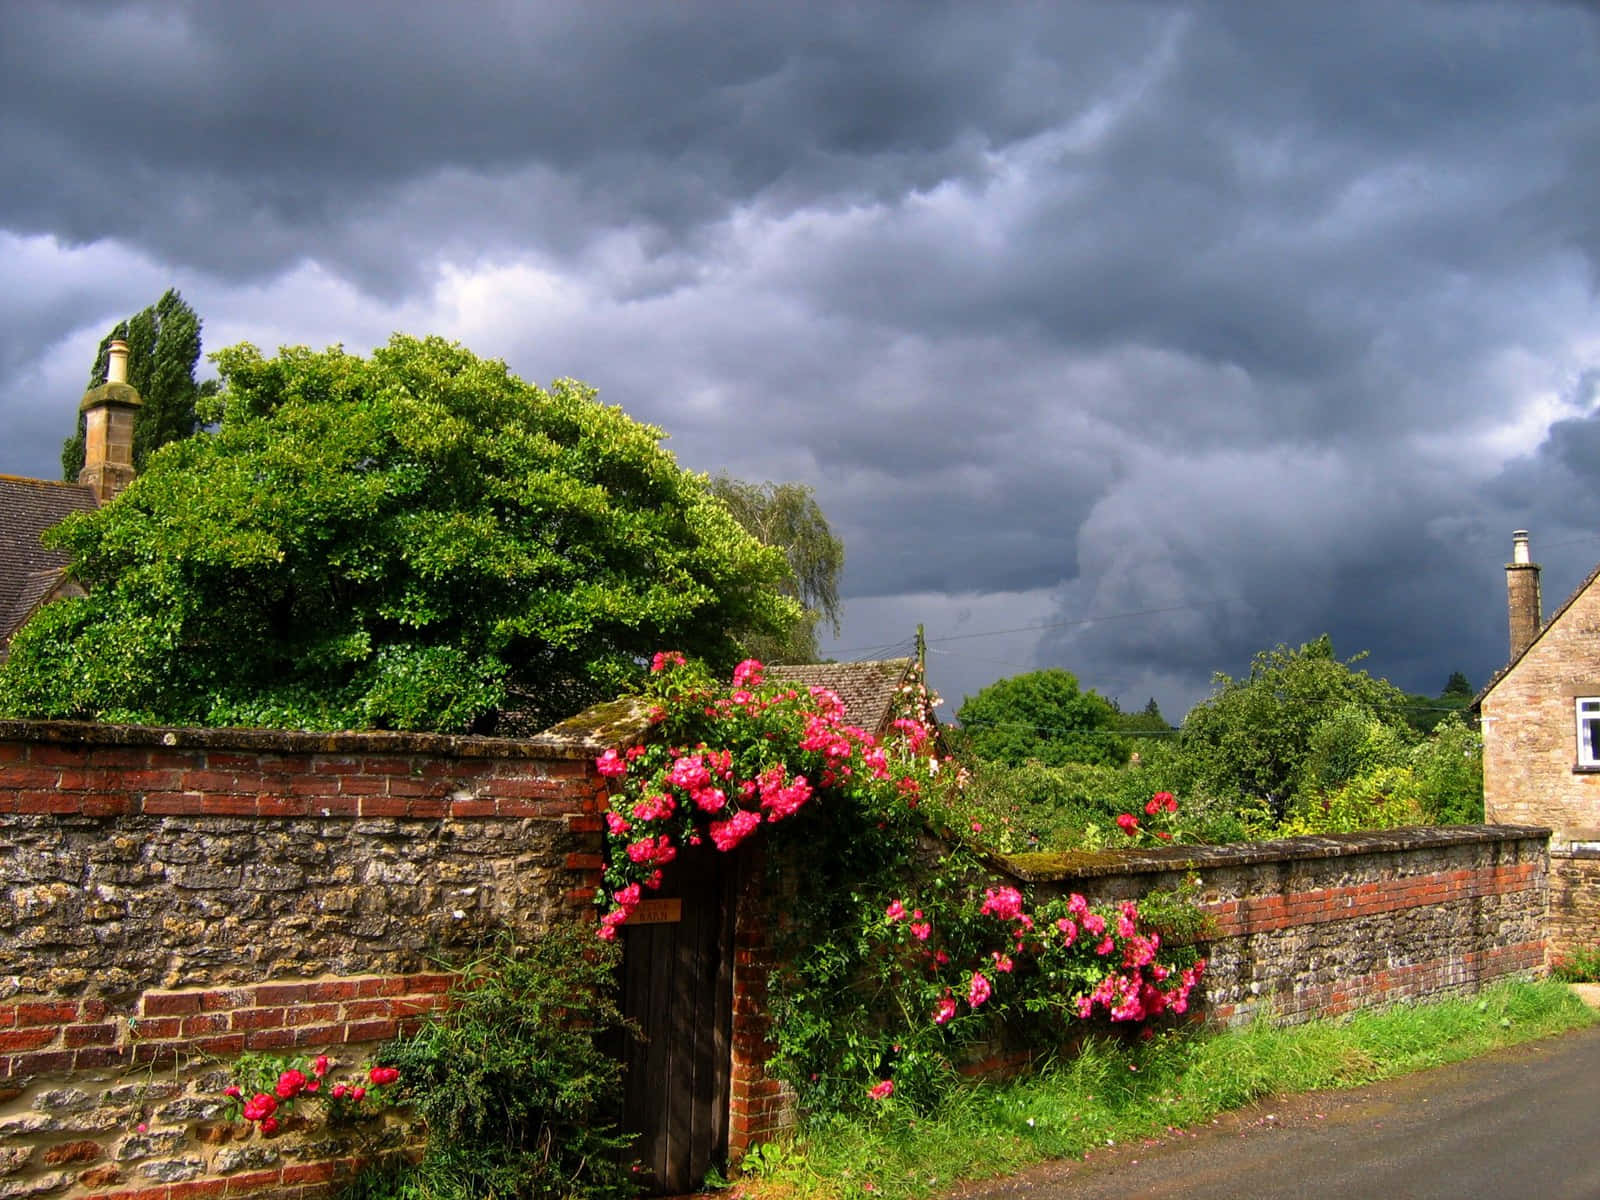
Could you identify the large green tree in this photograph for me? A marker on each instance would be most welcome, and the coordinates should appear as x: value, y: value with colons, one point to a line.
x: 418, y: 540
x: 1253, y: 736
x: 163, y: 351
x: 787, y: 516
x: 1041, y: 716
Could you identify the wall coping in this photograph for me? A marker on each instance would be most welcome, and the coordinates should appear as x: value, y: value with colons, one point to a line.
x: 1054, y: 867
x: 605, y: 726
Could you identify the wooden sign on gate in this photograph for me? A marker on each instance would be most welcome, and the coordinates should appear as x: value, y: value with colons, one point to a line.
x: 656, y: 912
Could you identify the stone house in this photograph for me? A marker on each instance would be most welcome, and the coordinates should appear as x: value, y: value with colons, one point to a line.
x: 1541, y: 740
x: 30, y: 574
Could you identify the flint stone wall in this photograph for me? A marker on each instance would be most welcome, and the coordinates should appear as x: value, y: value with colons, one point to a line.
x: 171, y: 898
x: 1317, y: 926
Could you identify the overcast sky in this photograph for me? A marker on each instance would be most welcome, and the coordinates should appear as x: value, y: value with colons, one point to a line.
x: 1154, y: 333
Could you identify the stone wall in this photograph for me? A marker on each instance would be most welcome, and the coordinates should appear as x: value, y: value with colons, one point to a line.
x: 172, y: 898
x: 1574, y: 922
x: 1317, y: 926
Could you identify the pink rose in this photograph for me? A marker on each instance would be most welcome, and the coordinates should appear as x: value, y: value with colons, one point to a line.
x: 979, y: 990
x: 881, y: 1091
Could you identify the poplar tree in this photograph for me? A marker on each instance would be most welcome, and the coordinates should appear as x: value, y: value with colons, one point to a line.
x: 163, y: 351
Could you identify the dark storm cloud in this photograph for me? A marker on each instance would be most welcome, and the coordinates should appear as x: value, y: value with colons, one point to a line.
x: 265, y: 125
x: 1211, y: 325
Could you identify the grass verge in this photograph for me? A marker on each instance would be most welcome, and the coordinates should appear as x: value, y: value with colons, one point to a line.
x: 1113, y: 1093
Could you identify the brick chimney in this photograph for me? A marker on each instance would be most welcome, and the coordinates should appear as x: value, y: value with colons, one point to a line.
x: 108, y: 413
x: 1522, y: 595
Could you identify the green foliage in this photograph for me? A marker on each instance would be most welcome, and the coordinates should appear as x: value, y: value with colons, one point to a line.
x: 1349, y: 742
x: 787, y: 516
x: 1581, y: 966
x: 1112, y: 1093
x: 512, y: 1082
x: 163, y: 350
x: 1449, y: 771
x: 1380, y: 798
x: 412, y: 541
x: 1424, y: 713
x: 1251, y: 738
x: 1041, y: 715
x: 1147, y: 720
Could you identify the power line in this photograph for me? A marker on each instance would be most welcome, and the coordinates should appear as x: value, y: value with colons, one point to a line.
x: 1121, y: 616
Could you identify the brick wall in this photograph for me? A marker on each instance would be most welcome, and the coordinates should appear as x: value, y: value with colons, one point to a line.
x: 1530, y: 772
x: 1322, y: 925
x: 170, y: 898
x: 760, y: 1106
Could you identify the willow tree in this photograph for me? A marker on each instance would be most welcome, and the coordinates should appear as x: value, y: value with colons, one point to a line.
x: 418, y: 540
x: 787, y: 516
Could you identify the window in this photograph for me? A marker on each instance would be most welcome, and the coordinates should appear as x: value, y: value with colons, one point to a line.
x: 1588, y: 715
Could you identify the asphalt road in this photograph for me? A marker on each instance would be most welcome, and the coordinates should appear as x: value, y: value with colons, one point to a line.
x: 1523, y: 1122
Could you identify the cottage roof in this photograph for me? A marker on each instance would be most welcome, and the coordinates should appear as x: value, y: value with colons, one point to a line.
x: 1588, y: 582
x: 868, y: 689
x: 28, y: 571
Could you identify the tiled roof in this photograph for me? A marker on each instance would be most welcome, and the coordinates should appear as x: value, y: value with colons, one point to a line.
x: 27, y: 508
x: 868, y: 689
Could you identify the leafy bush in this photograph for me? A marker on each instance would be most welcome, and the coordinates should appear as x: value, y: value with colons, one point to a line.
x: 1042, y: 715
x: 517, y: 1096
x: 1449, y: 771
x: 412, y: 541
x: 1383, y: 798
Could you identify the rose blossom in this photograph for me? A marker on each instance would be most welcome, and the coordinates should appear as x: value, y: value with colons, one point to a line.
x: 980, y: 989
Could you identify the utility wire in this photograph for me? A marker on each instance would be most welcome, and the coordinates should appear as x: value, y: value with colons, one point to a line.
x: 1121, y: 616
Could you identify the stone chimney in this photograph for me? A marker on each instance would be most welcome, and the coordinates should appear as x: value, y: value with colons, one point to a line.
x: 1522, y: 595
x: 108, y: 413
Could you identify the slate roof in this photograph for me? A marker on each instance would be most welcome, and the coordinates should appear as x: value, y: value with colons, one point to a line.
x: 868, y: 689
x: 29, y: 572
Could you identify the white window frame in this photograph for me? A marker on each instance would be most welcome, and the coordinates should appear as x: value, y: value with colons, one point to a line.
x: 1586, y: 715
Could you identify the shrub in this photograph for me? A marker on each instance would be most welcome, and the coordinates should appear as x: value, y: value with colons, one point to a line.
x: 1582, y: 966
x: 512, y: 1082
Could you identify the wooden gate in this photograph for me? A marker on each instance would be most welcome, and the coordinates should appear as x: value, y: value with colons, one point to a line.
x: 677, y: 980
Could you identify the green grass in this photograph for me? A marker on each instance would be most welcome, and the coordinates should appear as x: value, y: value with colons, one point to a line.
x: 1114, y: 1093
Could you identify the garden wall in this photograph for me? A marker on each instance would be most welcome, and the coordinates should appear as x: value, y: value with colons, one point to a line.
x: 1316, y: 926
x: 170, y: 898
x: 1574, y: 922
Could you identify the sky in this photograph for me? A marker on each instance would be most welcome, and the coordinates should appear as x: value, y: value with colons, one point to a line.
x: 1130, y: 338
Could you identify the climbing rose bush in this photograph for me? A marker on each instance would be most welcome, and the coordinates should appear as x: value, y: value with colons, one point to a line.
x: 898, y: 949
